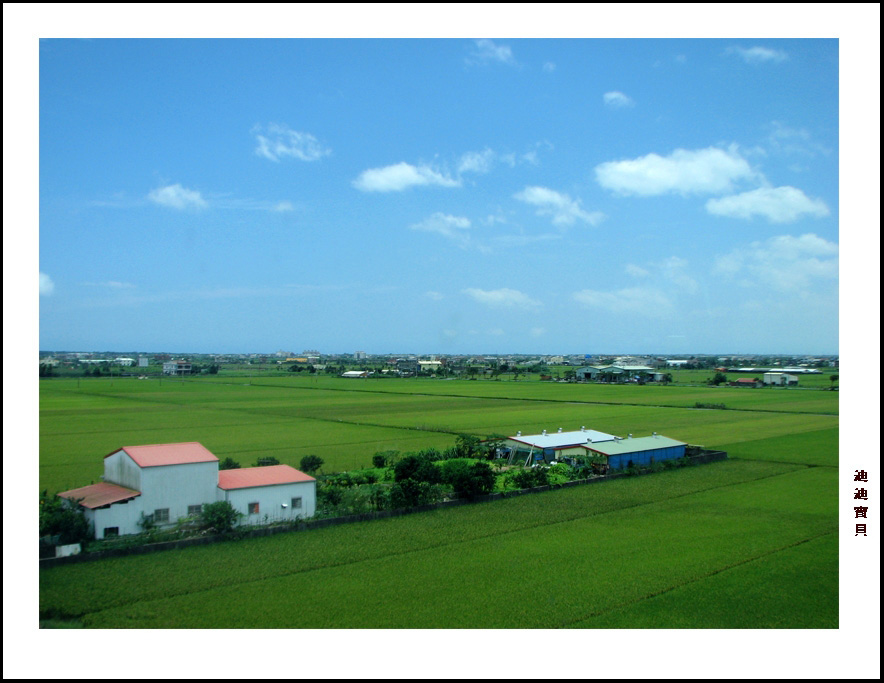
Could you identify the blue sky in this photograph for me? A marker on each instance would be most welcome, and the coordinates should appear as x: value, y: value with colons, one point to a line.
x: 448, y: 196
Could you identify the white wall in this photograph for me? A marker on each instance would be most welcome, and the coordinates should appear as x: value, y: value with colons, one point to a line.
x: 178, y: 486
x: 120, y: 469
x: 126, y: 516
x: 270, y: 500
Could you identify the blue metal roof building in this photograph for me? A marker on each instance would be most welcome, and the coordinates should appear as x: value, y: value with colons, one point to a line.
x: 640, y: 452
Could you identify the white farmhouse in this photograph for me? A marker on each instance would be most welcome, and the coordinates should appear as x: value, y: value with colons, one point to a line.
x: 165, y: 482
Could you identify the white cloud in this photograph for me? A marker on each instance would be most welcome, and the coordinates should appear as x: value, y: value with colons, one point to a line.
x: 537, y: 331
x: 435, y: 296
x: 776, y: 204
x: 476, y: 162
x: 486, y: 51
x: 794, y: 141
x: 561, y: 207
x: 399, y: 177
x: 709, y: 171
x: 283, y: 206
x: 451, y: 227
x: 636, y: 271
x: 785, y: 263
x: 644, y: 301
x: 47, y: 286
x: 502, y: 298
x: 177, y: 197
x: 758, y: 55
x: 617, y: 100
x: 549, y: 67
x: 281, y: 141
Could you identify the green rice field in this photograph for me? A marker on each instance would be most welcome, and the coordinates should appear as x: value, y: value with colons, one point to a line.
x: 746, y: 543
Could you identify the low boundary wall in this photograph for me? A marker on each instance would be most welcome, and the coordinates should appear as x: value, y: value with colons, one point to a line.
x: 703, y: 458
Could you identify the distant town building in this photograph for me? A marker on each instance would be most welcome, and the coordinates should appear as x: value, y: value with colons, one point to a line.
x: 780, y: 379
x: 177, y: 367
x: 143, y: 361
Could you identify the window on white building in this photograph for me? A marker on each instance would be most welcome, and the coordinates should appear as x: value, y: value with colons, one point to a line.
x: 296, y: 503
x: 111, y: 531
x: 194, y: 510
x: 161, y: 515
x: 254, y: 508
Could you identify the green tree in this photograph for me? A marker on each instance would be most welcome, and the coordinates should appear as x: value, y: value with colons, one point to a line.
x: 311, y: 463
x: 63, y: 518
x: 719, y: 378
x: 468, y: 446
x: 468, y: 479
x: 833, y: 379
x: 219, y: 517
x: 264, y: 462
x: 228, y: 464
x: 417, y: 469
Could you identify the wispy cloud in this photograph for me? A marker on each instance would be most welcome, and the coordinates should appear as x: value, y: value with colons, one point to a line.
x: 177, y: 197
x: 502, y: 298
x: 111, y: 284
x: 636, y: 271
x: 645, y: 301
x: 563, y: 209
x: 435, y: 296
x: 400, y: 177
x: 549, y: 67
x: 794, y: 141
x: 486, y: 51
x: 785, y: 263
x: 47, y: 286
x: 776, y: 204
x: 757, y: 54
x: 704, y: 171
x: 450, y: 227
x: 278, y: 141
x: 476, y: 162
x: 617, y: 100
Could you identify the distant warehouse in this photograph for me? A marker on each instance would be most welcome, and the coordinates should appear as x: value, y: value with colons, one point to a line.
x: 640, y: 452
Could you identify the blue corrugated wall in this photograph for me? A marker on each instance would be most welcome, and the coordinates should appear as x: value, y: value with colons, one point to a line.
x: 643, y: 458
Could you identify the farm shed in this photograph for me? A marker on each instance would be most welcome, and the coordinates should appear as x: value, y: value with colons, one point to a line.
x: 549, y: 447
x: 641, y: 451
x: 780, y: 379
x: 165, y: 482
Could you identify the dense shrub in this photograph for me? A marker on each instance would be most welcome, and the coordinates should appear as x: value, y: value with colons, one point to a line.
x: 64, y: 519
x: 530, y: 477
x: 311, y: 463
x: 410, y: 492
x: 417, y: 468
x: 220, y: 517
x: 228, y: 464
x: 468, y: 479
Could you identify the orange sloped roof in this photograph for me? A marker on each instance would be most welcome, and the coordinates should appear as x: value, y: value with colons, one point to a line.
x: 161, y: 454
x: 98, y: 495
x: 261, y: 476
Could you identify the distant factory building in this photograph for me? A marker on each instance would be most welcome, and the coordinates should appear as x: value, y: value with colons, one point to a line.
x: 640, y: 452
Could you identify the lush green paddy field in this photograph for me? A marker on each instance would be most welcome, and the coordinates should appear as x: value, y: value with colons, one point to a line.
x: 677, y: 549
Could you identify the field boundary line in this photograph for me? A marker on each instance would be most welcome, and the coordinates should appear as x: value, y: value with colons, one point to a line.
x: 699, y: 578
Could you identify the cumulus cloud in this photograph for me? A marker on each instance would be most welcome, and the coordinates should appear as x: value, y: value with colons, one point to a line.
x: 707, y: 171
x: 617, y: 100
x: 47, y: 286
x: 279, y: 141
x: 785, y: 263
x: 502, y: 298
x: 758, y: 55
x: 563, y: 209
x: 777, y: 204
x: 177, y: 197
x: 645, y: 301
x: 486, y: 51
x: 399, y: 177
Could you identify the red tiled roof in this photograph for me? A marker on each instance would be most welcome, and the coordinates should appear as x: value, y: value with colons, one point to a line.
x: 168, y: 454
x: 98, y: 495
x: 261, y: 476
